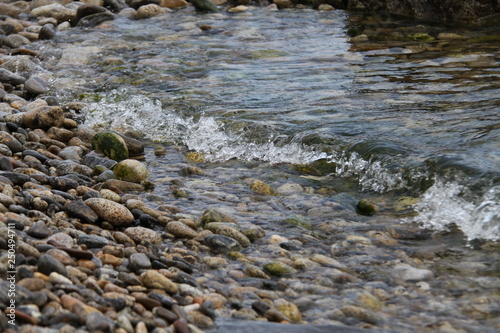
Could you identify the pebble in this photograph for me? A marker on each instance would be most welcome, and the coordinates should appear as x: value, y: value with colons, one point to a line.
x: 139, y: 261
x: 222, y: 244
x: 141, y: 234
x: 180, y: 230
x: 155, y: 280
x: 110, y: 211
x: 48, y: 264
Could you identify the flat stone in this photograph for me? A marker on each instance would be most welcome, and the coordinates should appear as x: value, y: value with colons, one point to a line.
x: 93, y: 241
x: 409, y: 273
x: 96, y: 322
x: 278, y: 269
x: 82, y: 211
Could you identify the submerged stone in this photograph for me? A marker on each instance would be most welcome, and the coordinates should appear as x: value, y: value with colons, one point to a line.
x: 222, y: 244
x: 278, y: 269
x: 213, y: 215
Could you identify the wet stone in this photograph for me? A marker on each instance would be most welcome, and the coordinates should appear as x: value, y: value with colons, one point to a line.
x: 35, y: 85
x: 278, y: 269
x: 131, y: 170
x: 111, y: 145
x: 222, y: 244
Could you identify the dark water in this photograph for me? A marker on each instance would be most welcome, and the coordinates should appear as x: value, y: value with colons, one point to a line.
x: 399, y: 111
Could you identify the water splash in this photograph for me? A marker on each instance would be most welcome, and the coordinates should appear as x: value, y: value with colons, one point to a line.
x: 123, y: 112
x: 372, y: 175
x: 445, y: 204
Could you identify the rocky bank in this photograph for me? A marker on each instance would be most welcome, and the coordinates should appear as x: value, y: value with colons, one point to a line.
x: 90, y: 254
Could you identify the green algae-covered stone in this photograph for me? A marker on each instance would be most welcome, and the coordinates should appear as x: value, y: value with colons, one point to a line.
x: 278, y: 269
x: 111, y: 145
x: 365, y: 207
x: 131, y: 170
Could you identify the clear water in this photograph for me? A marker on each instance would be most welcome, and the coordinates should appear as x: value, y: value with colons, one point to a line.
x: 401, y: 117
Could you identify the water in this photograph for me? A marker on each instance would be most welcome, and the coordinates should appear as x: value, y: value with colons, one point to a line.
x: 398, y: 115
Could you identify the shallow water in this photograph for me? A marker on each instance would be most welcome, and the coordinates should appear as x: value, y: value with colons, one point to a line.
x: 399, y: 115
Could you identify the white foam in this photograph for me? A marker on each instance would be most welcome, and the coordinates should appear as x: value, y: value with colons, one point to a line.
x: 444, y: 204
x: 131, y: 113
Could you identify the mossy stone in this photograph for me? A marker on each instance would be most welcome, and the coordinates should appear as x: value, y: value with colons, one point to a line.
x: 276, y: 268
x: 111, y: 145
x: 365, y: 207
x: 299, y: 220
x: 261, y: 188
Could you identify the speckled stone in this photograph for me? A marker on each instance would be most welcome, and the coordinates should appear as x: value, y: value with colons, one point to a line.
x: 141, y: 234
x: 155, y: 280
x: 180, y: 230
x: 233, y: 233
x: 110, y: 211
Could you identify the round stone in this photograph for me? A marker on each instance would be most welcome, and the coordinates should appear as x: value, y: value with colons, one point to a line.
x: 110, y: 211
x: 131, y: 170
x: 111, y: 145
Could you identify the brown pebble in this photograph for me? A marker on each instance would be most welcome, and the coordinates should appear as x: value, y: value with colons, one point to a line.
x: 181, y: 326
x: 147, y: 302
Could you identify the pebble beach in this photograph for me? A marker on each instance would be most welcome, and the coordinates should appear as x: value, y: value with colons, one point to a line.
x: 96, y: 236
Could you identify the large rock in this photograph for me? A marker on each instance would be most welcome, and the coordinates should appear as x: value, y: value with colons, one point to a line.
x: 429, y: 10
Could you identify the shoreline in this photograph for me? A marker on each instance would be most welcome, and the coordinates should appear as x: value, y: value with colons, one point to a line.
x: 93, y: 254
